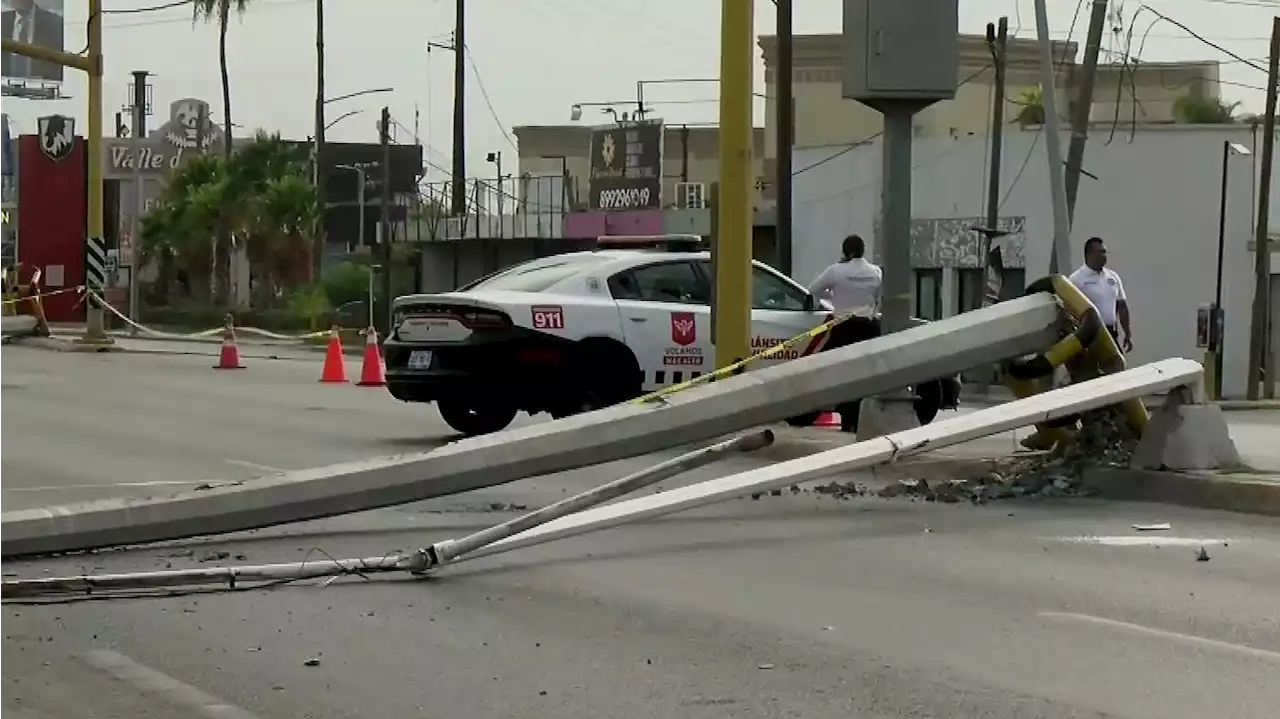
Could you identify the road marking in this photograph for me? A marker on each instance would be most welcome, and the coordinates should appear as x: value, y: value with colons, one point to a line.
x: 254, y: 465
x: 150, y: 681
x: 1187, y: 639
x: 156, y: 483
x: 1145, y: 541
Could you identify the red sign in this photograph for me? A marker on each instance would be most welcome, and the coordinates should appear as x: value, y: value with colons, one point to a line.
x: 684, y: 331
x: 51, y: 222
x: 547, y: 317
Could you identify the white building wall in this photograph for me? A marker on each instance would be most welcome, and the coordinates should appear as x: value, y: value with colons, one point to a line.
x: 1155, y: 201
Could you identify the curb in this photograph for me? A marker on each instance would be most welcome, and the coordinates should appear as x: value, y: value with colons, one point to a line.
x: 1152, y: 403
x: 1246, y: 493
x: 249, y: 349
x: 57, y: 344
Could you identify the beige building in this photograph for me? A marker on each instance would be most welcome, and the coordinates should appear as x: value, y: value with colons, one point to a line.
x: 823, y: 117
x: 690, y: 154
x: 1144, y: 94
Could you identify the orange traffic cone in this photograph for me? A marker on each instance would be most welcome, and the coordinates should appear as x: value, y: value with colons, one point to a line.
x: 373, y: 373
x: 335, y: 365
x: 828, y: 420
x: 229, y: 355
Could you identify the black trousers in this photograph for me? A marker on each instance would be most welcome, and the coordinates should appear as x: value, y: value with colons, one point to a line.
x: 851, y: 331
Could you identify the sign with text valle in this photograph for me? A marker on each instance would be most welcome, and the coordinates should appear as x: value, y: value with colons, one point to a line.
x: 187, y: 132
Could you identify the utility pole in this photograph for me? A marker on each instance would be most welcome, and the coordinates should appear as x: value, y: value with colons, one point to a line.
x: 95, y: 245
x: 998, y: 45
x: 732, y: 301
x: 1084, y: 105
x: 1262, y: 252
x: 384, y: 221
x: 784, y: 121
x: 139, y: 186
x: 321, y: 176
x: 991, y: 257
x: 1060, y: 252
x: 458, y: 196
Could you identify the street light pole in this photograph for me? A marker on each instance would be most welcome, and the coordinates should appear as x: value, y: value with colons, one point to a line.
x: 732, y: 253
x: 95, y: 247
x: 321, y: 173
x: 1216, y: 314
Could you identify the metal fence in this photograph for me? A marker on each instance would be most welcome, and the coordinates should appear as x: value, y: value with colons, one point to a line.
x: 506, y: 208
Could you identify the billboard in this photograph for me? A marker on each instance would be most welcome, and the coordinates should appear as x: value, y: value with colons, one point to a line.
x: 35, y: 22
x: 342, y: 183
x: 626, y: 167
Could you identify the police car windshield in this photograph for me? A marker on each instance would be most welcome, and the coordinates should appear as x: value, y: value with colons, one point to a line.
x: 537, y: 275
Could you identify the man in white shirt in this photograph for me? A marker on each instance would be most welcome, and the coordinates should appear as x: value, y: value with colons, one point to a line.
x: 852, y: 285
x: 1104, y: 288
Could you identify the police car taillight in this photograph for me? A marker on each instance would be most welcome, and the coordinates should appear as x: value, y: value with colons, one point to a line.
x: 665, y: 243
x: 483, y: 320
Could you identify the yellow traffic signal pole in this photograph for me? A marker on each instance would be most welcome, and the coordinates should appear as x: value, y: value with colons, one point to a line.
x: 90, y: 63
x: 732, y: 332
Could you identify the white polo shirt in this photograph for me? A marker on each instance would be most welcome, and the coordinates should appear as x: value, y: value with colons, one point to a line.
x: 1103, y: 289
x: 852, y: 286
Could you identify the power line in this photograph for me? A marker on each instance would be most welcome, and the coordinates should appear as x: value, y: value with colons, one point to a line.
x: 853, y: 146
x: 485, y: 94
x: 153, y: 8
x: 1062, y: 60
x: 1161, y: 16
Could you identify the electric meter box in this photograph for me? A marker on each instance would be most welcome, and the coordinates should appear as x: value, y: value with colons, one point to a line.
x: 901, y: 50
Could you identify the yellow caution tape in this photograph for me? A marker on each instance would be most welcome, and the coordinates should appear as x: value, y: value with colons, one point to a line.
x: 741, y: 365
x: 10, y: 300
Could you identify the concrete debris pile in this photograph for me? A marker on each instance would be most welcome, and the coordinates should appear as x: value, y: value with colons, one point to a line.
x: 1104, y: 441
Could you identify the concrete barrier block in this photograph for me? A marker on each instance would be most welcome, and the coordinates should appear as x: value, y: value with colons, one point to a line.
x: 1231, y: 491
x: 1186, y: 436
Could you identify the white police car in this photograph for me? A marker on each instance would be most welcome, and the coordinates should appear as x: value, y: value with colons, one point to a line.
x: 583, y: 330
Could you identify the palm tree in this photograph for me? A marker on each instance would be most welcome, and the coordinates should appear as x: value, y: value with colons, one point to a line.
x: 261, y: 198
x: 1032, y: 107
x: 1190, y: 110
x: 221, y: 11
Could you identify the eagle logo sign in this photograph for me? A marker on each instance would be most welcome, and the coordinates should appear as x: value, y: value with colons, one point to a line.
x: 684, y: 331
x: 57, y: 136
x: 608, y: 150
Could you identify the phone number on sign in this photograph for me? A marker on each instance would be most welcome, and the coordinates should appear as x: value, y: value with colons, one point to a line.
x: 625, y: 198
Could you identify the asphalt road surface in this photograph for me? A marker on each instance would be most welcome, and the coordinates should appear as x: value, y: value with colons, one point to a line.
x: 791, y: 606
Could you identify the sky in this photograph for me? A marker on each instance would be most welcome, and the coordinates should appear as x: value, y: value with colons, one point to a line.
x: 531, y: 60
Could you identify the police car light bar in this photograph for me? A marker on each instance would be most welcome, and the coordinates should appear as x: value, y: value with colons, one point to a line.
x: 668, y: 243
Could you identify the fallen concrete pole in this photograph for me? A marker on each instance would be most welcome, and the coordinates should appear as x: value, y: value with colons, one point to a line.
x: 1108, y: 390
x: 416, y: 562
x: 760, y: 397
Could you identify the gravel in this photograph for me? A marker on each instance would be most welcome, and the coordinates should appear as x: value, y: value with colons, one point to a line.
x: 1104, y: 441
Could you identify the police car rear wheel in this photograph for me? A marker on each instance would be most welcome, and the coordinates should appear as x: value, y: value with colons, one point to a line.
x: 928, y: 401
x: 603, y: 373
x: 475, y: 419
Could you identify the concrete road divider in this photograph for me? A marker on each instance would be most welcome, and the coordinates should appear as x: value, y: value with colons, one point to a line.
x: 18, y: 325
x: 761, y: 397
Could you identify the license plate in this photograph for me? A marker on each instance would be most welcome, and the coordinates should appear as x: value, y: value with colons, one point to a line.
x: 420, y: 359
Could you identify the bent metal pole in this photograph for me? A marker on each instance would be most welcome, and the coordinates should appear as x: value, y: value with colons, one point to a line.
x: 415, y: 562
x: 446, y: 551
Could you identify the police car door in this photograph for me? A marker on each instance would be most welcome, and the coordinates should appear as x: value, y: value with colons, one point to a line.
x: 780, y: 310
x: 666, y: 320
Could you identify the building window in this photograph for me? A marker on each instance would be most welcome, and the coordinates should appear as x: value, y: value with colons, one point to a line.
x: 970, y: 285
x: 929, y: 294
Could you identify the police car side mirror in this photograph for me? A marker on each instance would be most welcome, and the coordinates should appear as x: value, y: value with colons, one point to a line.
x: 810, y: 303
